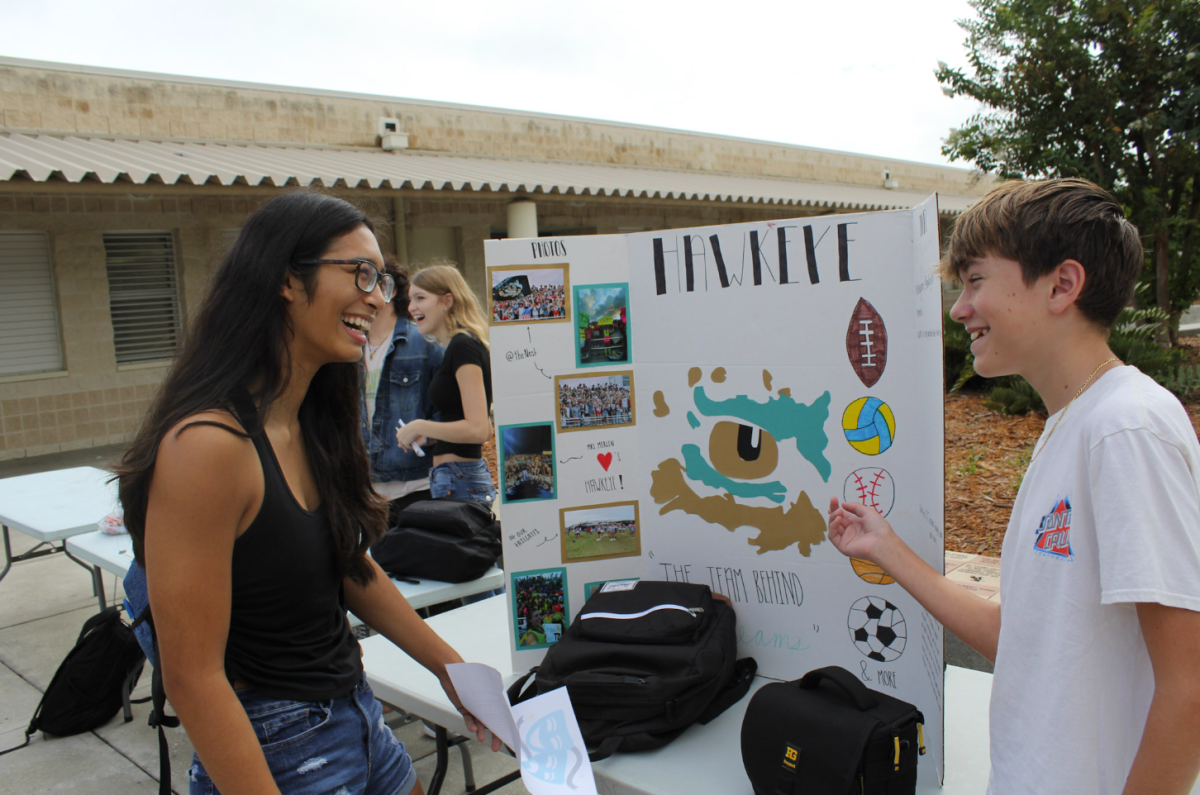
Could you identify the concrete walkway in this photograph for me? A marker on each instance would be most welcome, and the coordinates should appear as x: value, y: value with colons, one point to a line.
x: 43, y: 604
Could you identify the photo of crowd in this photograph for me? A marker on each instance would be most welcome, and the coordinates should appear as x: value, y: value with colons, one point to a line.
x: 594, y: 401
x: 595, y: 532
x: 602, y: 318
x: 522, y: 294
x: 527, y: 462
x: 540, y: 608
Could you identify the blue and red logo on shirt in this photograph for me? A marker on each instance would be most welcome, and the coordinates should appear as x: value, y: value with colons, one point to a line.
x: 1054, y: 533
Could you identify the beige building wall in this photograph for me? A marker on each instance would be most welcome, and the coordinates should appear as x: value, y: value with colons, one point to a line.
x: 93, y: 401
x: 85, y: 100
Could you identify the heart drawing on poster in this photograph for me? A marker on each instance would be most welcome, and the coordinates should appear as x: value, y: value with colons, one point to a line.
x: 605, y: 460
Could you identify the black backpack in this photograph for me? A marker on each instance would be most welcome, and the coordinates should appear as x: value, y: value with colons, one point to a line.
x: 93, y: 682
x: 828, y: 732
x: 642, y: 661
x: 447, y: 540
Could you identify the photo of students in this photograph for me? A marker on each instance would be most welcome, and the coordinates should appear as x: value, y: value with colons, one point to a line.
x: 460, y: 392
x: 602, y: 319
x: 528, y: 294
x: 527, y: 462
x: 540, y: 607
x: 249, y: 470
x: 594, y: 401
x: 595, y: 532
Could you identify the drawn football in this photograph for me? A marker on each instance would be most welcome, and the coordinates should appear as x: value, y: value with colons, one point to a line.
x: 867, y: 343
x: 873, y: 487
x: 877, y: 629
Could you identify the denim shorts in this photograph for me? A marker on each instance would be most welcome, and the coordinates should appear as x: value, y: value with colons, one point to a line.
x: 462, y: 480
x: 325, y: 747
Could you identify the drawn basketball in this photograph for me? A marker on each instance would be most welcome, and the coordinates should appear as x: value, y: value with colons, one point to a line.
x: 869, y: 425
x: 867, y: 343
x: 873, y: 487
x: 870, y: 572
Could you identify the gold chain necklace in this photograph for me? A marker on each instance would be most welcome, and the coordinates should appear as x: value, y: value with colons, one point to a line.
x: 1103, y: 364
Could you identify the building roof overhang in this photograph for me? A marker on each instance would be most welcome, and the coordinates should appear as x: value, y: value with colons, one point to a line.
x: 77, y: 159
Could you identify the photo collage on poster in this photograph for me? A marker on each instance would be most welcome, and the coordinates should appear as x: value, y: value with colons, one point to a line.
x: 596, y: 396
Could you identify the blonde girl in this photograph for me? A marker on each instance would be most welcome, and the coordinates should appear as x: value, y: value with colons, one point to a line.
x: 460, y: 392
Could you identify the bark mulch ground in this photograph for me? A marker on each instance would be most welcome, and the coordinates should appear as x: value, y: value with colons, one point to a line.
x: 986, y: 457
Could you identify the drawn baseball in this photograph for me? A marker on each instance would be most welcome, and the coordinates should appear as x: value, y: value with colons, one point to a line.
x: 869, y: 425
x: 867, y: 343
x: 873, y: 487
x: 877, y: 629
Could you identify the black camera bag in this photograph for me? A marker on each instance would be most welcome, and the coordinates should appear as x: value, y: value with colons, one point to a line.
x: 827, y: 732
x: 643, y: 664
x: 447, y: 540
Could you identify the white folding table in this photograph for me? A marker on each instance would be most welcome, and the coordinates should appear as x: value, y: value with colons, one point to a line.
x: 114, y: 554
x: 54, y: 506
x: 705, y: 759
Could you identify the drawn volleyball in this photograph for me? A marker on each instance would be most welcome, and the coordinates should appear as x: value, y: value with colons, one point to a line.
x: 869, y: 425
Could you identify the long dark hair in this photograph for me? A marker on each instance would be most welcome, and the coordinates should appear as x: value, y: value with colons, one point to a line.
x: 238, y: 343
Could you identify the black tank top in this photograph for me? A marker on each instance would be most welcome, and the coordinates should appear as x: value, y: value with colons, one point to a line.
x: 288, y: 633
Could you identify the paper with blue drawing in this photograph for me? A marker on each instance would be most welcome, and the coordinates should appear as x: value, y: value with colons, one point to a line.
x: 541, y: 731
x: 776, y: 364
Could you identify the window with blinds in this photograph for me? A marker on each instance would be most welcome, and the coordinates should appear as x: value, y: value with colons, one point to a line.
x: 29, y: 336
x: 143, y: 295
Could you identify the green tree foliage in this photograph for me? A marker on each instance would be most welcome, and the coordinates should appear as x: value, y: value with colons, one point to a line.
x: 1132, y: 340
x: 1108, y: 90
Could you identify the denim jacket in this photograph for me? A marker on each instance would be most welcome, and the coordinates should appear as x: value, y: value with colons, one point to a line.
x: 403, y: 393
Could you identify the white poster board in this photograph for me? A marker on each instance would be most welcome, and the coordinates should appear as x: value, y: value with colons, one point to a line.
x: 682, y: 405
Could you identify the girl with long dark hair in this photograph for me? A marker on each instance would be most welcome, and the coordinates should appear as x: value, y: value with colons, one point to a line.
x: 248, y: 495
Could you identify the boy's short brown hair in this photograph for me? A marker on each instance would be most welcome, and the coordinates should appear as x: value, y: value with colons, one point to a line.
x: 1041, y: 224
x: 400, y: 274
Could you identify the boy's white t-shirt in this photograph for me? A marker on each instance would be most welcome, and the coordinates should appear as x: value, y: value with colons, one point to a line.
x: 1108, y: 515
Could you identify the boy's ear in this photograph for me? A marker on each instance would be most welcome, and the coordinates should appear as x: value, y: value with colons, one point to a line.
x: 1066, y: 284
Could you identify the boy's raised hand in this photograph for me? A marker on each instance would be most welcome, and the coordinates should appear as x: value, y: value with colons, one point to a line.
x: 858, y: 531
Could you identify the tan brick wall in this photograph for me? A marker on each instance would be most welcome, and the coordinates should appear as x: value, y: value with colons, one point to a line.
x: 71, y: 101
x: 97, y: 403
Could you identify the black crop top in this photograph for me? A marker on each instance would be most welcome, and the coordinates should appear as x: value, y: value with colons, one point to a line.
x: 445, y: 396
x: 288, y: 633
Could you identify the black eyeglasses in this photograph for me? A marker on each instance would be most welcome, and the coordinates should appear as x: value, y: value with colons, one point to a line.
x: 365, y: 278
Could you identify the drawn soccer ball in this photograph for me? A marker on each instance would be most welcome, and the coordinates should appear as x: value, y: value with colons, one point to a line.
x: 877, y: 628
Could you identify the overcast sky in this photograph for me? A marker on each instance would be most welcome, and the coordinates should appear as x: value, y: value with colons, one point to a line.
x: 854, y: 77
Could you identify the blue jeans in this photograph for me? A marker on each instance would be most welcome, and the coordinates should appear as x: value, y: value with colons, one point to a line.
x: 462, y: 480
x: 322, y: 747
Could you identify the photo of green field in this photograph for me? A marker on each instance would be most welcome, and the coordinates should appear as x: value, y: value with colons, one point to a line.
x: 594, y: 532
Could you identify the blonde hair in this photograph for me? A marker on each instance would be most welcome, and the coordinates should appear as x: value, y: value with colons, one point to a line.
x: 464, y: 314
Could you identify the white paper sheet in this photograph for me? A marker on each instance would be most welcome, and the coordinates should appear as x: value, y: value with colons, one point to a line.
x: 481, y: 690
x: 542, y: 731
x: 553, y: 756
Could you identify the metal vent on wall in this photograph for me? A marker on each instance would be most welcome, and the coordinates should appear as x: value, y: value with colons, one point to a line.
x: 29, y: 335
x: 143, y: 295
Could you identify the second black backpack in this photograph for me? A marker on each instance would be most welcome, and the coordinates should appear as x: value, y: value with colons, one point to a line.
x: 94, y: 681
x: 447, y: 540
x: 642, y: 661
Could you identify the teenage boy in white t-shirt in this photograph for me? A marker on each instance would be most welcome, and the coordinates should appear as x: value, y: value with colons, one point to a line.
x: 1097, y: 641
